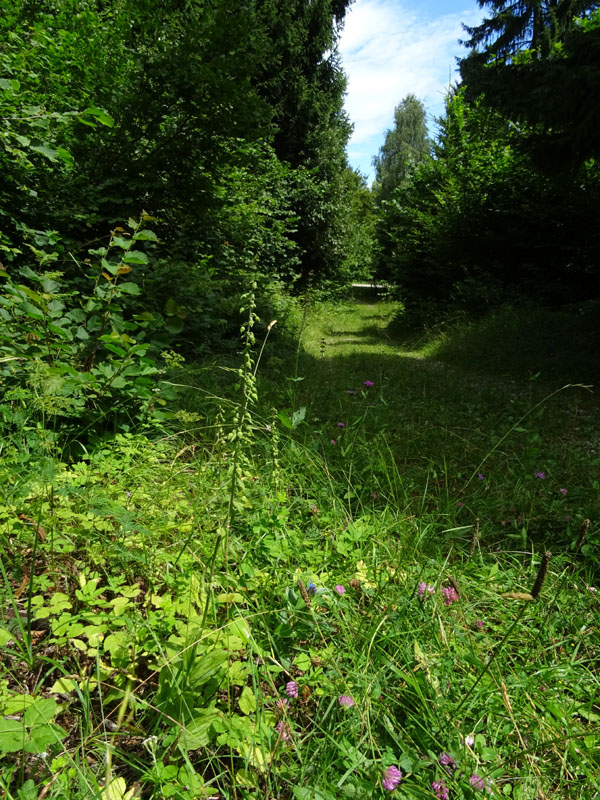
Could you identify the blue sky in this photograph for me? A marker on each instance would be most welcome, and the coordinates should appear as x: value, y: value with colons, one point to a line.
x: 391, y: 48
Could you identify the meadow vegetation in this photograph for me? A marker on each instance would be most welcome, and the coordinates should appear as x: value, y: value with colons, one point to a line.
x: 329, y: 576
x: 258, y: 538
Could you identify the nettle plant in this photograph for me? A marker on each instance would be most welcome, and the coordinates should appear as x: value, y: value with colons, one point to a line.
x: 88, y: 358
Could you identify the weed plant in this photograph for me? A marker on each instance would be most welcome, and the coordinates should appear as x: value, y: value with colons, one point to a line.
x: 333, y: 586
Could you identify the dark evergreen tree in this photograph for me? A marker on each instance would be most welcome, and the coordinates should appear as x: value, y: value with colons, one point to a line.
x: 518, y: 25
x: 539, y: 64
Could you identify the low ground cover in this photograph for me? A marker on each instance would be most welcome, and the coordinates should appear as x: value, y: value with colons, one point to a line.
x: 337, y: 584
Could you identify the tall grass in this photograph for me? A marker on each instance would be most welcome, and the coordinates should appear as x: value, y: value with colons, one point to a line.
x: 280, y: 606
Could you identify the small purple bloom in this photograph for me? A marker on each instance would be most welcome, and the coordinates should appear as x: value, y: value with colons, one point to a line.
x: 128, y: 495
x: 368, y: 384
x: 447, y: 762
x: 591, y: 589
x: 284, y: 731
x: 391, y: 778
x: 459, y: 504
x: 479, y: 784
x: 281, y: 705
x: 540, y: 475
x: 312, y: 589
x: 481, y: 476
x: 423, y: 588
x: 563, y: 491
x: 341, y: 424
x: 291, y: 689
x: 346, y: 700
x: 450, y: 595
x: 373, y: 495
x: 333, y: 442
x: 469, y: 740
x: 479, y: 624
x: 339, y: 589
x: 351, y: 391
x: 440, y: 790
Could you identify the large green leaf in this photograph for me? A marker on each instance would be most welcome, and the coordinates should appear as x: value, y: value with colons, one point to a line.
x: 12, y: 735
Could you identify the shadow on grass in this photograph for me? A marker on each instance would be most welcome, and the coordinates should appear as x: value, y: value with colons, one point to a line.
x: 518, y: 343
x: 555, y: 347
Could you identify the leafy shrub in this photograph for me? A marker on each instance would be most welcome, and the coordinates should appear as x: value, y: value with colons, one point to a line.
x: 89, y: 357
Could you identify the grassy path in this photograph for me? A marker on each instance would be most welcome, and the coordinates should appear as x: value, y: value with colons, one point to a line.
x: 253, y: 608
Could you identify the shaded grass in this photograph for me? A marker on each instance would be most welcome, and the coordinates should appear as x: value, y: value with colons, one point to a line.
x: 170, y: 671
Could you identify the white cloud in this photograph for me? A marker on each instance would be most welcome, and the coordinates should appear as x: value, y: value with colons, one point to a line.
x: 389, y: 51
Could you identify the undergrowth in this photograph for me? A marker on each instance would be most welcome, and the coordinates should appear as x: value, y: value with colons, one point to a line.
x: 334, y: 582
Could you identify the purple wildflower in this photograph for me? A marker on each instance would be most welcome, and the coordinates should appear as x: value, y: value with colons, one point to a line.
x: 540, y: 475
x: 440, y: 790
x: 346, y: 701
x: 281, y: 705
x: 339, y: 589
x: 479, y: 784
x: 341, y: 424
x: 312, y: 589
x: 391, y: 778
x: 591, y: 589
x: 447, y: 762
x: 128, y: 495
x: 450, y: 595
x: 373, y: 495
x: 479, y: 624
x: 481, y: 476
x: 563, y: 491
x: 291, y: 689
x: 469, y: 740
x: 333, y: 442
x: 284, y: 730
x: 459, y: 504
x: 368, y: 384
x: 423, y: 588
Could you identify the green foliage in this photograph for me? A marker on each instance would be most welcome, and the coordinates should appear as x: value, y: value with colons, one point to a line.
x: 556, y: 93
x: 86, y: 353
x: 405, y: 147
x: 300, y: 658
x: 479, y: 223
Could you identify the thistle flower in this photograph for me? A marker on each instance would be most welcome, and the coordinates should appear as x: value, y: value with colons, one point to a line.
x: 391, y: 778
x: 346, y: 701
x: 341, y: 424
x: 368, y: 384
